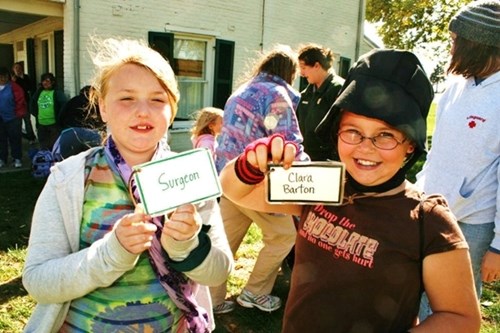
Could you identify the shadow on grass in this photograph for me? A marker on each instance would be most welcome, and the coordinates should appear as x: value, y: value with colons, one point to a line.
x: 244, y: 320
x: 11, y: 289
x: 18, y: 194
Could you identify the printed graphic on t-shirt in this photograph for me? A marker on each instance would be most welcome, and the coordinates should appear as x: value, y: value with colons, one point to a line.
x: 474, y: 120
x: 46, y: 112
x: 337, y: 235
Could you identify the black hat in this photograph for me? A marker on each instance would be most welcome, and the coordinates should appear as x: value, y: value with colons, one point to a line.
x: 479, y: 22
x: 389, y: 85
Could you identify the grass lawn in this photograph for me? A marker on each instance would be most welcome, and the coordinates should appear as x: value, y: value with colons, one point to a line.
x: 18, y: 193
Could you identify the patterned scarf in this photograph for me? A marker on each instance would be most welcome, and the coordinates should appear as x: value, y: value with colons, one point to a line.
x: 179, y: 288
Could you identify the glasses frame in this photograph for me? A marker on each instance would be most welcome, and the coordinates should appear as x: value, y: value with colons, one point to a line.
x: 373, y: 139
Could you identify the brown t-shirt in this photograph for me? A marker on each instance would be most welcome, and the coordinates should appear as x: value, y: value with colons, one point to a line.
x: 357, y: 266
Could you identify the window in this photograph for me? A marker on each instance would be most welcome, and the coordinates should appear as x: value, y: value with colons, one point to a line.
x: 189, y: 64
x: 45, y: 56
x: 203, y: 67
x: 344, y: 66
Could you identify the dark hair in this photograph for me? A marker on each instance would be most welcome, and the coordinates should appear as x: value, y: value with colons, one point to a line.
x: 281, y: 61
x: 470, y: 58
x: 48, y: 76
x: 313, y: 53
x: 85, y: 91
x: 4, y: 71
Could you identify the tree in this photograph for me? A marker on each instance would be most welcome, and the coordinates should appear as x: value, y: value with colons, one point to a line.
x: 407, y: 24
x: 437, y: 76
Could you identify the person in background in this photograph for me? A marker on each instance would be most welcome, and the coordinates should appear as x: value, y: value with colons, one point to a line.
x: 12, y: 110
x: 95, y: 261
x: 361, y: 266
x: 24, y: 81
x: 464, y: 161
x: 74, y: 140
x: 261, y: 106
x: 206, y: 128
x: 78, y: 112
x: 46, y: 105
x: 81, y: 126
x: 316, y: 66
x: 315, y: 63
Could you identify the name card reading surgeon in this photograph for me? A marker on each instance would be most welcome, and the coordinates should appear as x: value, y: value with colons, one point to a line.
x: 314, y: 182
x: 187, y: 177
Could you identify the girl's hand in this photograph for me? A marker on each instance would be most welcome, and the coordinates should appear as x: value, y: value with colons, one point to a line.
x: 272, y: 149
x: 490, y: 268
x: 183, y: 223
x: 134, y: 232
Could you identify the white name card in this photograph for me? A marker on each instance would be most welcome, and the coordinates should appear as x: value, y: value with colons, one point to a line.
x: 187, y: 177
x: 306, y: 182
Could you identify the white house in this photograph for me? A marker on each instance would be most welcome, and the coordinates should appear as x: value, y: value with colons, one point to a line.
x: 209, y: 42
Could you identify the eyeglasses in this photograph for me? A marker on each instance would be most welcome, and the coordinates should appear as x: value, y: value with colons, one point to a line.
x: 384, y: 141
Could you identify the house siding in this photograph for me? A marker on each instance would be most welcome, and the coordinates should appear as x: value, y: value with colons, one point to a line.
x: 254, y: 26
x: 333, y: 23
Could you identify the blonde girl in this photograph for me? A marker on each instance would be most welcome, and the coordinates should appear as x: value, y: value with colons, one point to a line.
x: 98, y: 263
x: 207, y: 127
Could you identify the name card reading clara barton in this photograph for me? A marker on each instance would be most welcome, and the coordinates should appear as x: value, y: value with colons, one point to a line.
x: 187, y: 177
x: 306, y: 182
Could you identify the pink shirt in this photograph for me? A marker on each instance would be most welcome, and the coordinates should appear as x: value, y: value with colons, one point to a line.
x: 205, y: 141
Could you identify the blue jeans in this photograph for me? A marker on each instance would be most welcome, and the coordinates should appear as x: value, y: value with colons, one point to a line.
x: 479, y: 237
x: 10, y: 135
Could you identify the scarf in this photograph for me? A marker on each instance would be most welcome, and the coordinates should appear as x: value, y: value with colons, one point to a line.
x: 179, y: 288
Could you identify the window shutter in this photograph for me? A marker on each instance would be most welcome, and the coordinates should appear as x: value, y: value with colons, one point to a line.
x: 163, y: 43
x: 344, y: 66
x: 30, y: 61
x: 223, y: 72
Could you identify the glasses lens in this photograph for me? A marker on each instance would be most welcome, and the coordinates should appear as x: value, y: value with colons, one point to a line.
x: 351, y: 137
x: 385, y: 142
x: 381, y: 141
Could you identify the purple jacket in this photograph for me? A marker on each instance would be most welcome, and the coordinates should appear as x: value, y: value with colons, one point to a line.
x: 259, y: 108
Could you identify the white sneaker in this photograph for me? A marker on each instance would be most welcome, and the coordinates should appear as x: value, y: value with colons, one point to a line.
x: 17, y: 163
x: 224, y: 307
x: 266, y: 303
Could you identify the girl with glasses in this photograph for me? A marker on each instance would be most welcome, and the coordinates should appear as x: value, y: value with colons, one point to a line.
x: 362, y: 266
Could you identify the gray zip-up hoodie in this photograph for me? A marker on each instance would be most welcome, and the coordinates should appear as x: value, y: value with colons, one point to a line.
x: 56, y: 271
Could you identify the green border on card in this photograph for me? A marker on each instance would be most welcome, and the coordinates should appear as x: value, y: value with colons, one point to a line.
x: 174, y: 155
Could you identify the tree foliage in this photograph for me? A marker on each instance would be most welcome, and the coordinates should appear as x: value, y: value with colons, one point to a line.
x: 407, y: 24
x: 438, y: 76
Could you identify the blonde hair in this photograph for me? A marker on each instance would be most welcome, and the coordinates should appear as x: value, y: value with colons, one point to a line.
x: 111, y: 54
x: 204, y: 118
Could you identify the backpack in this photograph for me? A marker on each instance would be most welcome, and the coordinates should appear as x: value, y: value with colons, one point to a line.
x: 41, y: 162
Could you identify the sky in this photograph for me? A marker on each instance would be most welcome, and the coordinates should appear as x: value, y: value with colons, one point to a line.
x: 427, y: 62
